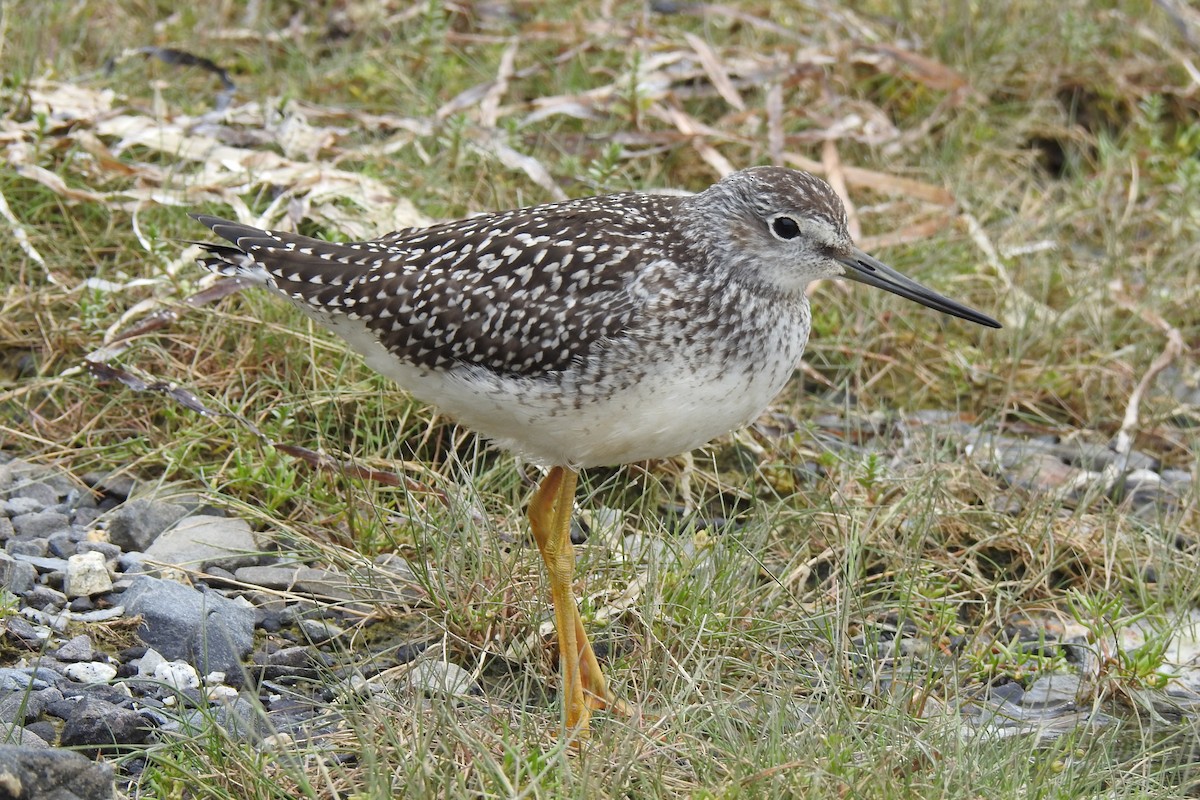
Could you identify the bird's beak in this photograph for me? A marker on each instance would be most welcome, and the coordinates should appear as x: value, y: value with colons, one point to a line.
x: 865, y: 269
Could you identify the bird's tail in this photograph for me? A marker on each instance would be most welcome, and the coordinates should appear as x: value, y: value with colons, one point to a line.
x: 231, y: 259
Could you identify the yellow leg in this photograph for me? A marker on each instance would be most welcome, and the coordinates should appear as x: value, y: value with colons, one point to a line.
x: 584, y: 688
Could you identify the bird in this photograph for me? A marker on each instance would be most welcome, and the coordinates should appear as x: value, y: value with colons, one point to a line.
x: 592, y: 332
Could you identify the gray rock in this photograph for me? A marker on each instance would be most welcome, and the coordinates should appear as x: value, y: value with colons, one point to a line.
x: 1053, y: 689
x: 107, y: 549
x: 40, y: 494
x: 302, y: 580
x: 243, y: 720
x: 6, y: 529
x: 205, y: 629
x: 56, y: 621
x: 15, y: 734
x: 137, y: 523
x: 94, y: 725
x: 44, y: 598
x: 44, y: 564
x: 204, y: 541
x: 99, y: 615
x: 26, y: 633
x: 18, y: 474
x: 287, y: 662
x: 17, y: 506
x: 40, y: 524
x: 319, y: 631
x: 35, y: 547
x: 44, y: 730
x: 62, y: 544
x: 78, y: 648
x: 16, y: 576
x: 1096, y: 457
x: 15, y: 680
x: 81, y: 605
x: 17, y: 708
x: 85, y: 517
x: 113, y: 484
x: 87, y: 574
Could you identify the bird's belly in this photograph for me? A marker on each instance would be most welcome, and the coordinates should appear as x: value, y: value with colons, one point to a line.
x: 662, y: 416
x: 653, y: 409
x: 663, y: 413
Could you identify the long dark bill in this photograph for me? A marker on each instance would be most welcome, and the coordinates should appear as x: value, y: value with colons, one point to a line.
x: 873, y: 272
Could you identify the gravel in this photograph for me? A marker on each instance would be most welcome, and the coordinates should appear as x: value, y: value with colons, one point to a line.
x: 244, y: 640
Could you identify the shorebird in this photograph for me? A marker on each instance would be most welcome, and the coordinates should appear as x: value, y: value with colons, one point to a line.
x: 593, y: 332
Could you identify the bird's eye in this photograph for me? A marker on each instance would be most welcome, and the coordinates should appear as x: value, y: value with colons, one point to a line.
x: 785, y: 228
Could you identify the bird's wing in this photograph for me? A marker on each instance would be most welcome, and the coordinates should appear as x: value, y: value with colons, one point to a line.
x: 521, y: 292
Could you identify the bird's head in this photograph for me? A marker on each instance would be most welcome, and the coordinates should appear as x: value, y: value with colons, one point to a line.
x: 784, y: 229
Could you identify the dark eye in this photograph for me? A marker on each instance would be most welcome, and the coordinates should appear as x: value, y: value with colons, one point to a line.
x: 785, y: 227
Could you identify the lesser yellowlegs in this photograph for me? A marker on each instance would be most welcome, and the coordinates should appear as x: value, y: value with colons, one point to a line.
x: 598, y: 331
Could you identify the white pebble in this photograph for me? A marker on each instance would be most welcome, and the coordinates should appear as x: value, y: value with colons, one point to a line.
x: 178, y: 675
x: 90, y: 672
x: 222, y: 694
x: 149, y: 662
x: 87, y: 574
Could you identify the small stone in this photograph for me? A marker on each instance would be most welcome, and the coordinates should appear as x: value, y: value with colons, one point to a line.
x: 242, y: 719
x: 87, y: 574
x: 221, y: 694
x: 149, y: 664
x: 442, y: 677
x: 205, y: 629
x: 322, y: 583
x: 204, y: 541
x: 112, y: 484
x: 136, y: 524
x: 179, y: 675
x: 319, y: 631
x: 25, y: 633
x: 85, y: 517
x: 288, y: 662
x: 1053, y: 689
x: 90, y: 672
x: 1011, y: 692
x: 41, y: 494
x: 106, y: 549
x: 45, y: 565
x: 17, y: 506
x: 40, y: 524
x: 62, y: 544
x: 16, y: 576
x: 81, y: 605
x: 99, y: 615
x: 55, y: 621
x: 96, y: 725
x: 17, y: 735
x: 44, y: 730
x: 44, y: 598
x: 35, y: 548
x: 133, y: 563
x: 77, y: 648
x: 13, y: 679
x: 17, y: 708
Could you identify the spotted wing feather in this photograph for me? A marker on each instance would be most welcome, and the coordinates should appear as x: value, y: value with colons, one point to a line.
x: 522, y: 293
